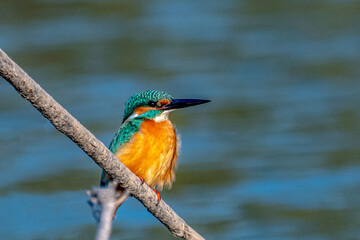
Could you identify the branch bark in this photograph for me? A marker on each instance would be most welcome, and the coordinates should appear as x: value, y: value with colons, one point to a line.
x: 67, y: 124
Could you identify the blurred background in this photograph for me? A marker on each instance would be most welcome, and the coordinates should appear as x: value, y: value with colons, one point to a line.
x: 275, y: 155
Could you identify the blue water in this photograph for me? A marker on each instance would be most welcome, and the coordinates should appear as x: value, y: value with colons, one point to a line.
x: 275, y: 155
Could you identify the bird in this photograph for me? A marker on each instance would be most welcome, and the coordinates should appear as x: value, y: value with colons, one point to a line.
x: 147, y: 142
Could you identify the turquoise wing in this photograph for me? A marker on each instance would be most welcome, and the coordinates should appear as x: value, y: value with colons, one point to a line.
x: 121, y: 137
x: 124, y: 134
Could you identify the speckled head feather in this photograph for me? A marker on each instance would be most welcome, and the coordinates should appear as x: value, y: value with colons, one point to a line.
x: 143, y: 99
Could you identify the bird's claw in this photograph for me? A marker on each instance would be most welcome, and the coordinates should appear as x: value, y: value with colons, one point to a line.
x: 158, y: 197
x: 157, y: 193
x: 142, y: 180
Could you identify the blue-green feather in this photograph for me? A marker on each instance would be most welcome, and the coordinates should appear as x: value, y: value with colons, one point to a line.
x: 124, y: 134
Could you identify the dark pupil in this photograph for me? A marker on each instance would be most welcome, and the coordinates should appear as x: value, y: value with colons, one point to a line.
x: 152, y: 104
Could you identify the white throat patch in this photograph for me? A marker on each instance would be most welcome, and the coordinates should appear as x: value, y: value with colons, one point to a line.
x: 163, y: 116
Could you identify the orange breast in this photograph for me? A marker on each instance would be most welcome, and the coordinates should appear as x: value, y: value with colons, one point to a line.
x: 151, y: 153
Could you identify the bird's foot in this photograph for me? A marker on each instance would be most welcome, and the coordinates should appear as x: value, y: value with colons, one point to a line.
x: 157, y: 193
x: 158, y: 197
x: 142, y: 180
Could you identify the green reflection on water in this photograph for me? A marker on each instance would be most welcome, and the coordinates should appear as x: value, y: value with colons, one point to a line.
x: 68, y: 180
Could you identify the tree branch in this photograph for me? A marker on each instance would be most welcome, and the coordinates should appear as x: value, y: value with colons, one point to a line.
x: 104, y: 203
x: 67, y: 124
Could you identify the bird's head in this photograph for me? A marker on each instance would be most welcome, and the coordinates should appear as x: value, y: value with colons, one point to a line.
x: 155, y: 105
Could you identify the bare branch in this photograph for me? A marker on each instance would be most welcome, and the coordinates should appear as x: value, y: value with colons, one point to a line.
x: 104, y: 203
x: 67, y: 124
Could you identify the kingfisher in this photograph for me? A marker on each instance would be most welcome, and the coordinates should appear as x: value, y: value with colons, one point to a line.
x: 147, y: 142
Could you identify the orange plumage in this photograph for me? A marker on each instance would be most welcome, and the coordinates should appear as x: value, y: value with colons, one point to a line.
x: 151, y: 152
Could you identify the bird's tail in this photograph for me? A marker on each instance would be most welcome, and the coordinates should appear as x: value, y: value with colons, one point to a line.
x: 105, y: 179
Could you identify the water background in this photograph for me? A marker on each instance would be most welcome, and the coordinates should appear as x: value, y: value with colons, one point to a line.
x: 275, y: 155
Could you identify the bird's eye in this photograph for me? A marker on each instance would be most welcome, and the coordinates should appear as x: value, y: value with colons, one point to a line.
x: 152, y: 104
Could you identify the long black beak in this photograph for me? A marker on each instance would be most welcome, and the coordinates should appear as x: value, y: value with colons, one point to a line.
x: 182, y: 103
